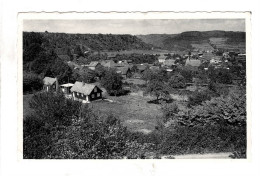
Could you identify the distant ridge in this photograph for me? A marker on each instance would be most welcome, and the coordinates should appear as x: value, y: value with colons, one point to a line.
x: 186, y: 39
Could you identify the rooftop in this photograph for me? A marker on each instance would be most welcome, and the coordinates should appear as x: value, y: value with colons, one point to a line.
x: 83, y: 88
x: 49, y: 81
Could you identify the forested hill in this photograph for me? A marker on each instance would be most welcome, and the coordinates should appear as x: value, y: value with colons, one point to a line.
x: 185, y: 39
x: 96, y: 42
x: 156, y: 39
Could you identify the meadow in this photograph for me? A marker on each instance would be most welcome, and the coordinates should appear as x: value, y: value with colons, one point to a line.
x: 134, y: 111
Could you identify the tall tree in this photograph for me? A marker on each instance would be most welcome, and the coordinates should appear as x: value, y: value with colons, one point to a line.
x: 112, y: 81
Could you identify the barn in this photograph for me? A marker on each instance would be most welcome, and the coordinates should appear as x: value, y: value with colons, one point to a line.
x: 85, y: 92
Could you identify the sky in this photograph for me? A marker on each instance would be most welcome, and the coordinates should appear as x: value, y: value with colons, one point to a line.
x: 134, y: 27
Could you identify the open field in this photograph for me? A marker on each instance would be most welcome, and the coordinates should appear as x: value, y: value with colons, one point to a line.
x: 202, y: 46
x: 221, y: 43
x: 133, y: 111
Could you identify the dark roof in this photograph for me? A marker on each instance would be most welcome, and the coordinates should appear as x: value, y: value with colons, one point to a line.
x: 83, y: 88
x: 122, y: 70
x: 49, y: 81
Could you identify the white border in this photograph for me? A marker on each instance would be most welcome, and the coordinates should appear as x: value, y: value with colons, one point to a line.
x: 10, y: 166
x: 138, y: 15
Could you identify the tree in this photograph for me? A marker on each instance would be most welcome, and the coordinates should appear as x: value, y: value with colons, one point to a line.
x: 134, y: 69
x: 161, y: 74
x: 53, y: 108
x: 31, y: 82
x: 148, y: 75
x: 112, y: 81
x: 60, y: 70
x: 177, y: 81
x: 158, y: 89
x: 187, y: 74
x: 229, y: 109
x: 87, y: 75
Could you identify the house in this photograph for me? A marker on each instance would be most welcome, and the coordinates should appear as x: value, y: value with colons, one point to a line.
x: 169, y: 62
x: 65, y: 88
x: 141, y: 67
x: 161, y: 58
x: 50, y: 84
x: 108, y: 63
x: 93, y: 65
x: 192, y: 62
x: 215, y: 60
x: 85, y: 92
x: 124, y: 71
x: 154, y: 68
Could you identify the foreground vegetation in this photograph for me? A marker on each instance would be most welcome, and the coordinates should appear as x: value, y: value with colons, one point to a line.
x: 62, y: 128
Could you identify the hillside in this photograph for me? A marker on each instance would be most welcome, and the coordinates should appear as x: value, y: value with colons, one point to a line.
x: 194, y: 39
x: 155, y: 39
x: 96, y: 42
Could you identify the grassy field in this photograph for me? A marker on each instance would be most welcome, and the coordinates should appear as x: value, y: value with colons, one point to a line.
x: 221, y: 43
x: 133, y: 111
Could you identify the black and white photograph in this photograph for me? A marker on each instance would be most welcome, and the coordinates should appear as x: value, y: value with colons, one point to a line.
x: 162, y: 88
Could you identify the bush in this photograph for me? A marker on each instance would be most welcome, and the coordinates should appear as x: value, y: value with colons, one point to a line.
x: 88, y: 136
x: 177, y: 81
x: 54, y: 108
x: 198, y: 97
x: 36, y: 138
x: 203, y: 139
x: 169, y: 111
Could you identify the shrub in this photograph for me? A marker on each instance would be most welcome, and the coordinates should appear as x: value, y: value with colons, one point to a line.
x: 169, y: 111
x: 36, y: 138
x: 203, y: 139
x: 54, y: 108
x: 177, y: 81
x: 198, y: 97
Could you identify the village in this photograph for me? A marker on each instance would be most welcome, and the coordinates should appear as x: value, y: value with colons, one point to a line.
x: 134, y: 82
x: 143, y: 100
x: 133, y: 73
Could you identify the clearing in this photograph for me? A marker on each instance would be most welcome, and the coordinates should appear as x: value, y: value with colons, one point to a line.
x: 133, y: 111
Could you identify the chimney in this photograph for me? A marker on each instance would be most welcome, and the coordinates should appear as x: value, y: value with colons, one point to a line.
x: 57, y: 84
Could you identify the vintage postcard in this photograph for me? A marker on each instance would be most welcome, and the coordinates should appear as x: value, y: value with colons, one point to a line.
x: 158, y: 85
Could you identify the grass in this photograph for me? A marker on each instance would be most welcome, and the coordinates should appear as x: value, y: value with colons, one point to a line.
x: 135, y: 81
x: 133, y: 111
